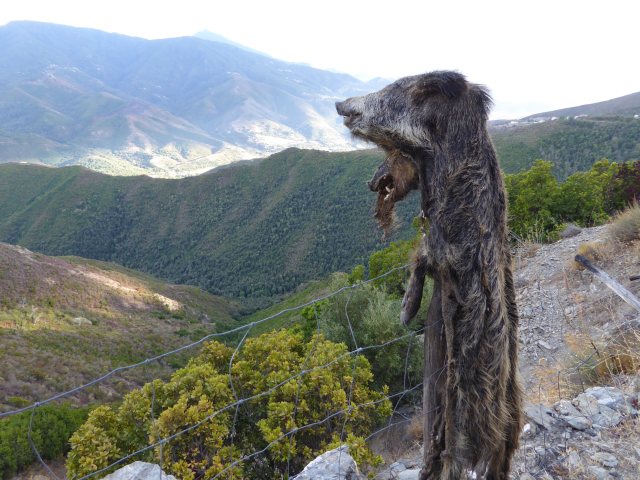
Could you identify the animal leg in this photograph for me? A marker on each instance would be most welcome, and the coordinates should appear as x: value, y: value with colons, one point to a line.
x: 500, y: 466
x: 452, y: 458
x: 434, y: 384
x: 413, y: 295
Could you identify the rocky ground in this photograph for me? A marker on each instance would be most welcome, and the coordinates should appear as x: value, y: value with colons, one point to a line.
x: 576, y: 338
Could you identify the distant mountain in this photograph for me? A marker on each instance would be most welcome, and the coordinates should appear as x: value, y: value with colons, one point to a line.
x: 572, y: 144
x: 214, y: 37
x: 251, y: 232
x: 572, y: 138
x: 64, y: 321
x: 169, y: 107
x: 629, y: 105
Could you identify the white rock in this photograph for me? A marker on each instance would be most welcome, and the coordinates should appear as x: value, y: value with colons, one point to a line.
x: 139, y: 471
x: 565, y: 408
x: 545, y: 345
x: 413, y: 474
x: 80, y: 322
x: 600, y: 473
x: 578, y: 422
x: 608, y: 396
x: 335, y: 464
x: 587, y: 404
x: 542, y: 416
x: 572, y: 415
x: 606, y: 417
x: 573, y: 460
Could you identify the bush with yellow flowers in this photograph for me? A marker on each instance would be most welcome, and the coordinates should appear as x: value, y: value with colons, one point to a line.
x: 283, y: 396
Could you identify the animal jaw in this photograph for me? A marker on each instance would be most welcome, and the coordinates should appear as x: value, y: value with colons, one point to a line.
x: 395, y: 178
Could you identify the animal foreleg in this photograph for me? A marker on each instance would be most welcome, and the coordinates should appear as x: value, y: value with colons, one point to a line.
x: 413, y: 295
x: 434, y: 384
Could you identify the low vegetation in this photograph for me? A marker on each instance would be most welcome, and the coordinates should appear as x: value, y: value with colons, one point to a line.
x: 625, y: 227
x: 572, y: 145
x: 252, y: 232
x: 264, y: 369
x: 540, y: 206
x: 52, y: 425
x: 64, y: 321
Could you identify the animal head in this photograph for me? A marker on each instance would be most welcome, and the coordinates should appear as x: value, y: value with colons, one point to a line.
x: 409, y: 119
x: 414, y: 110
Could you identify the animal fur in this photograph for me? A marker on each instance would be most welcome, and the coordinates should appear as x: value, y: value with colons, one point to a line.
x: 433, y: 127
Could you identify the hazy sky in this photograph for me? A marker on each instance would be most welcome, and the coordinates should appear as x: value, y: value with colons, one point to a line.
x: 534, y: 55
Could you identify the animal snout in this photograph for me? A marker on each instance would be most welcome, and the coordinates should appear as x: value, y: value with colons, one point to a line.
x: 345, y: 108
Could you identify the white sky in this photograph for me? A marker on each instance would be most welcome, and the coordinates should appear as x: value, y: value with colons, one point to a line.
x: 534, y: 55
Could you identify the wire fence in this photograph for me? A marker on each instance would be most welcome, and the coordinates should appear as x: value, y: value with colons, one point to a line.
x: 541, y: 454
x: 234, y: 406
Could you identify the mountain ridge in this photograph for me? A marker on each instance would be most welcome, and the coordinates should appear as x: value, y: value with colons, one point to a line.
x: 626, y: 105
x: 177, y: 106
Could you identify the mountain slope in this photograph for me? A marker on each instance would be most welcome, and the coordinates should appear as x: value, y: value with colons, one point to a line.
x: 628, y: 105
x: 251, y: 232
x: 168, y: 107
x: 64, y: 321
x: 571, y: 144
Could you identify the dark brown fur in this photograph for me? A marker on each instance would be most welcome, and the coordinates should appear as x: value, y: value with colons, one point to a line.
x: 434, y: 126
x: 393, y: 181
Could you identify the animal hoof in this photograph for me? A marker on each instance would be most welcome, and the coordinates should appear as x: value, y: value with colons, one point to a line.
x: 405, y: 317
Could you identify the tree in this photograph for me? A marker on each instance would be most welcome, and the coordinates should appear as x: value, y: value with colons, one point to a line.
x: 581, y: 198
x: 624, y: 187
x: 532, y: 197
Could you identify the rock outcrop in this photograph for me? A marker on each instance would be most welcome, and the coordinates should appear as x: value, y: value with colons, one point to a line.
x: 139, y: 471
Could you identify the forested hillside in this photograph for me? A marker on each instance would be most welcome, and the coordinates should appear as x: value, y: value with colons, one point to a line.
x: 249, y: 232
x: 571, y: 144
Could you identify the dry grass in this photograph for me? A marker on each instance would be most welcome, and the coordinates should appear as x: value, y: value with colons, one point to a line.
x: 415, y: 429
x: 592, y: 251
x: 43, y: 350
x: 625, y: 227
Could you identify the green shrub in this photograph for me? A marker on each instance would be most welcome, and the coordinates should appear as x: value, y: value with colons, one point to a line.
x: 202, y: 392
x: 52, y: 427
x: 374, y: 316
x: 382, y: 261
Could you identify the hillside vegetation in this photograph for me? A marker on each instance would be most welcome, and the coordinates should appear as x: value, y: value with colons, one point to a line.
x: 64, y: 321
x: 254, y: 232
x: 571, y: 145
x: 250, y: 232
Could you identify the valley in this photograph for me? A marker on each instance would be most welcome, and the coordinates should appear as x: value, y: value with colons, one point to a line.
x: 250, y: 232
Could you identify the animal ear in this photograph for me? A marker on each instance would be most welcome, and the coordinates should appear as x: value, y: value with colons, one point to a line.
x: 449, y: 84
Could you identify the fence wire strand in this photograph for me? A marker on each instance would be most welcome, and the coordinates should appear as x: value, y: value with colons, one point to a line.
x: 540, y: 464
x: 238, y: 402
x: 195, y: 344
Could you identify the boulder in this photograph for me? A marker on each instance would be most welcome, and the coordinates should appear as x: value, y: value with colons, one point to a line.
x: 570, y: 230
x: 140, y: 471
x: 542, y: 416
x: 608, y: 396
x: 412, y: 474
x: 335, y: 464
x: 81, y: 322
